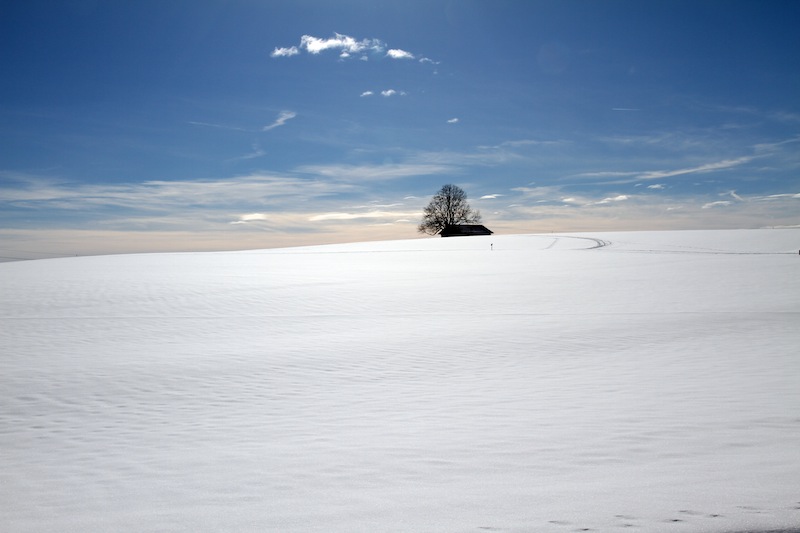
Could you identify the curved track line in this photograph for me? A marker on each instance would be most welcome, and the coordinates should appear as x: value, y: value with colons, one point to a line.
x: 598, y: 243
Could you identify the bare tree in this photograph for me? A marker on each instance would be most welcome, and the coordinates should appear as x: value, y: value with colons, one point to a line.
x: 448, y: 207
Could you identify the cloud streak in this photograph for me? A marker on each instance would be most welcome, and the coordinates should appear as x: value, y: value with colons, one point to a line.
x: 283, y: 118
x: 366, y: 173
x: 159, y: 196
x: 708, y: 167
x: 367, y: 214
x: 626, y: 177
x: 219, y: 126
x: 719, y: 203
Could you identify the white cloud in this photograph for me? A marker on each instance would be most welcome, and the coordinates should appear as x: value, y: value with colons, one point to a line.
x: 285, y: 52
x: 396, y: 53
x: 453, y: 120
x: 375, y: 172
x: 720, y: 203
x: 167, y: 196
x: 607, y: 174
x: 490, y: 196
x: 381, y: 206
x: 251, y: 217
x: 656, y: 186
x: 662, y: 174
x: 346, y: 44
x: 777, y: 196
x: 522, y: 143
x: 220, y: 126
x: 619, y: 198
x: 708, y: 167
x: 283, y: 117
x: 388, y: 93
x: 256, y: 153
x: 785, y: 116
x: 355, y: 216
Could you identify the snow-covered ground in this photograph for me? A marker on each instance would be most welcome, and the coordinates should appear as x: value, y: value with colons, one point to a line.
x: 644, y: 380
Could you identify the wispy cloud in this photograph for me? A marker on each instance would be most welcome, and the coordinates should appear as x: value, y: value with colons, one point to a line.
x: 785, y: 116
x: 220, y: 126
x: 375, y: 172
x: 283, y: 118
x: 453, y: 120
x: 777, y: 197
x: 366, y: 93
x: 612, y: 199
x: 634, y: 176
x: 285, y: 52
x: 775, y: 146
x: 708, y: 167
x: 394, y: 215
x: 520, y: 143
x: 159, y: 196
x: 256, y: 153
x: 251, y: 217
x: 719, y: 203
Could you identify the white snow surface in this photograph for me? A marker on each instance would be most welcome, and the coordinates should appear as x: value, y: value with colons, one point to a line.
x: 646, y: 380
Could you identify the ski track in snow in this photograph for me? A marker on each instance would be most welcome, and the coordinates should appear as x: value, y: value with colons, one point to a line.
x: 584, y: 382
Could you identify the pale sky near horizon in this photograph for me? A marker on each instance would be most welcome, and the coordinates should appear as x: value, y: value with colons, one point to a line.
x: 214, y: 125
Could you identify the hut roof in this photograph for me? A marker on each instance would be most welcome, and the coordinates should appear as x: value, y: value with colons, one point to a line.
x: 464, y: 230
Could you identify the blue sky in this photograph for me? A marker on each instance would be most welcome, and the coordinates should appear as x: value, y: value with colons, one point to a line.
x: 213, y: 125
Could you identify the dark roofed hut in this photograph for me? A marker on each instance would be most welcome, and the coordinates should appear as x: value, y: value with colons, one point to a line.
x: 465, y: 230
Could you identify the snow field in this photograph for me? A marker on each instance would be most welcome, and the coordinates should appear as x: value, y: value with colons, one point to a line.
x: 554, y: 383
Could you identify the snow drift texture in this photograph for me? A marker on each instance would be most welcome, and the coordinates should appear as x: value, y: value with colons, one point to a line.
x: 554, y: 383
